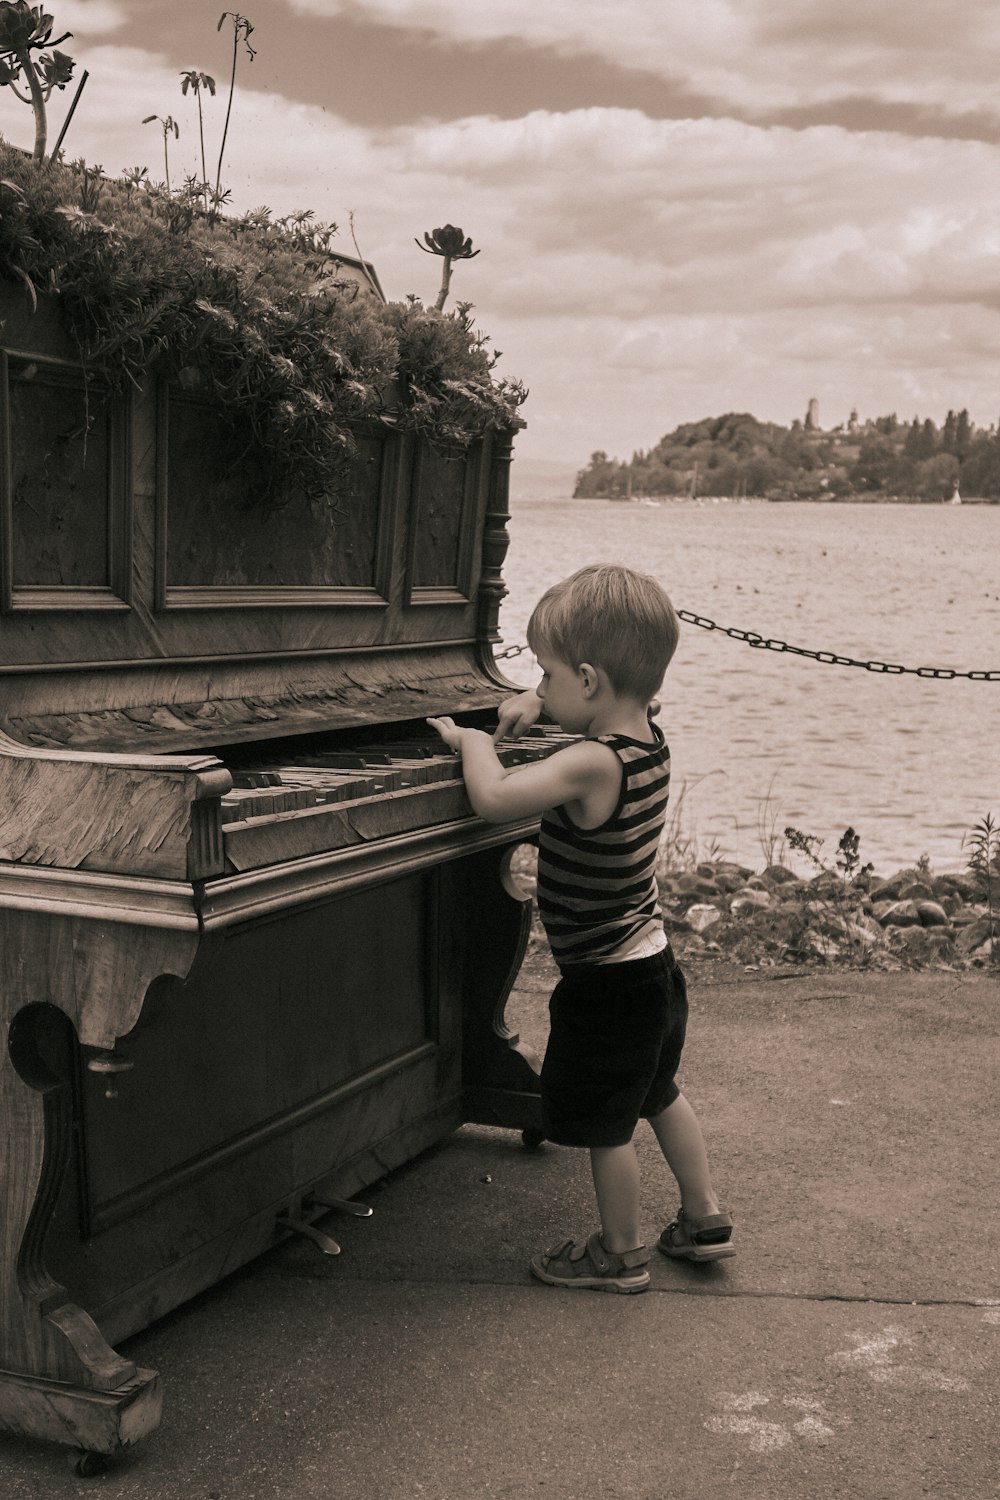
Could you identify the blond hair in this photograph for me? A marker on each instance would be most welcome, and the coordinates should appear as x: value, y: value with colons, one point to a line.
x: 615, y: 619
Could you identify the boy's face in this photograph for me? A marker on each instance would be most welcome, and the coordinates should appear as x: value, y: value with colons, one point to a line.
x: 561, y: 691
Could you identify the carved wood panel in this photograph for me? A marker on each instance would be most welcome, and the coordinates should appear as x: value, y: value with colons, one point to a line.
x: 65, y: 493
x: 279, y: 1020
x: 227, y: 537
x: 444, y: 497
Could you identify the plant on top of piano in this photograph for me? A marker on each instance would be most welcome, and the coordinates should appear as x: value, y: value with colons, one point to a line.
x: 450, y: 243
x: 26, y: 29
x: 260, y: 315
x: 445, y: 368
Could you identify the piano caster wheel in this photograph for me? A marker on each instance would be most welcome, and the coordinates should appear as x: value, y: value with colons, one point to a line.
x: 110, y: 1064
x: 87, y: 1464
x: 532, y: 1139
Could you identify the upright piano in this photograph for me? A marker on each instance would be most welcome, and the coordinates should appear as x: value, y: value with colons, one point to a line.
x: 254, y: 946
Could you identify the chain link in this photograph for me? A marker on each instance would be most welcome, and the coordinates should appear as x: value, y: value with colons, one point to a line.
x: 832, y: 658
x: 828, y: 658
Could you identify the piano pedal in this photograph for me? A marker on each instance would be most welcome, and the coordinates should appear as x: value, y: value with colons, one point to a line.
x: 310, y: 1232
x: 343, y: 1205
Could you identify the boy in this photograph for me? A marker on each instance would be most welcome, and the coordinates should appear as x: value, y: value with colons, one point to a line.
x: 603, y: 639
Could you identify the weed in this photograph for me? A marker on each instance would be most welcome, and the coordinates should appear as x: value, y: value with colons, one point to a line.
x: 681, y: 847
x: 242, y: 29
x: 196, y: 82
x: 839, y: 898
x: 770, y: 846
x: 169, y: 126
x: 983, y: 843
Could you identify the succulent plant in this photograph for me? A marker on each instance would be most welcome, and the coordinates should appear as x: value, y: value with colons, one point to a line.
x: 450, y: 243
x: 26, y: 29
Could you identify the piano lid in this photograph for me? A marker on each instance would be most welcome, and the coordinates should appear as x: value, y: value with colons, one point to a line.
x: 164, y: 711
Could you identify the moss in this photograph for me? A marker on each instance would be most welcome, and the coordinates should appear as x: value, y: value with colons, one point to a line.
x: 252, y: 311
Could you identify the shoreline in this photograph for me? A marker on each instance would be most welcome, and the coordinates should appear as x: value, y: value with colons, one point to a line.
x: 915, y: 918
x: 873, y: 499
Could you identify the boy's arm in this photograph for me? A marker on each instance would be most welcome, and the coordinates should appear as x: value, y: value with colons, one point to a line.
x: 578, y: 774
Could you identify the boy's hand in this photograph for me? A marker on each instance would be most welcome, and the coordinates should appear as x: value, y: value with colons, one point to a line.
x: 449, y: 732
x: 452, y: 733
x: 516, y: 715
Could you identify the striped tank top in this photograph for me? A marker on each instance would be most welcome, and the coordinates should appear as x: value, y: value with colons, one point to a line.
x: 597, y: 886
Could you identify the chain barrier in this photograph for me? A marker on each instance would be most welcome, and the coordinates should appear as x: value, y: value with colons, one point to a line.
x: 828, y: 658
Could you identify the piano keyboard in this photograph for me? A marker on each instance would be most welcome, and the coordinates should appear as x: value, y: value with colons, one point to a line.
x: 322, y: 800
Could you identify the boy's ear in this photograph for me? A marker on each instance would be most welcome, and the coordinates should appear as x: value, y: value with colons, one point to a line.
x: 589, y: 682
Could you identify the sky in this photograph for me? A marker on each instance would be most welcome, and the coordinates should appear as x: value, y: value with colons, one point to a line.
x: 683, y: 209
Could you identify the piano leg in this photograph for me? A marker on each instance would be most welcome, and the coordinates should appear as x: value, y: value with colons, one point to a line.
x: 499, y: 1072
x: 59, y: 1378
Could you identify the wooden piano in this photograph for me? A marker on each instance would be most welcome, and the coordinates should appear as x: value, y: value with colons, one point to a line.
x: 254, y: 946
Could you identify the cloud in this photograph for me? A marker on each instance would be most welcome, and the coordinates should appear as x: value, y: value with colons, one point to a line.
x: 89, y: 17
x: 756, y: 54
x: 635, y: 272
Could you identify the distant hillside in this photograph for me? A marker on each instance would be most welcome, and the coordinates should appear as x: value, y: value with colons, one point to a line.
x: 737, y: 455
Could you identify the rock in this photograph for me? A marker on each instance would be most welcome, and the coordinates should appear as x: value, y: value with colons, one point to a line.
x: 897, y: 913
x: 749, y: 899
x: 968, y: 914
x: 963, y: 886
x: 896, y: 886
x: 974, y: 935
x: 778, y: 875
x: 866, y: 929
x: 693, y: 885
x: 700, y: 917
x: 921, y: 944
x: 886, y: 890
x: 916, y: 890
x: 912, y: 940
x: 674, y: 923
x: 820, y: 944
x: 932, y: 914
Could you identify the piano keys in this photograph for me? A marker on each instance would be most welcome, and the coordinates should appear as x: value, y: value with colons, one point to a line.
x: 286, y: 810
x: 254, y: 945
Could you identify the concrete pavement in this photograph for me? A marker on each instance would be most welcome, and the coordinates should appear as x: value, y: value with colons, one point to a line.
x: 852, y: 1345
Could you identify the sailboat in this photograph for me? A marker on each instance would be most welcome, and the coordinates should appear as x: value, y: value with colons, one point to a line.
x: 956, y: 498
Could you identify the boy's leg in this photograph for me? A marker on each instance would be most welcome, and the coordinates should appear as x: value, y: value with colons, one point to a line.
x: 616, y: 1183
x: 700, y: 1231
x: 683, y: 1145
x: 615, y: 1259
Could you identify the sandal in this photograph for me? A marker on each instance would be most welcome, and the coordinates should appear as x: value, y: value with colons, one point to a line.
x: 698, y: 1239
x: 592, y: 1268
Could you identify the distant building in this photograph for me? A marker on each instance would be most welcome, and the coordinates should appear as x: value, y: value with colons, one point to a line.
x: 812, y: 415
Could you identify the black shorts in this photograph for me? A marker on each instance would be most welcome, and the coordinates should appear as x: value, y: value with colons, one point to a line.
x: 614, y: 1047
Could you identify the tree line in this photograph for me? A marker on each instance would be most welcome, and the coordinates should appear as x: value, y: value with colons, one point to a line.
x: 736, y: 455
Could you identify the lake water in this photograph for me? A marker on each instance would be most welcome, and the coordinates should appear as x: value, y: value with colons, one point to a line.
x: 761, y: 740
